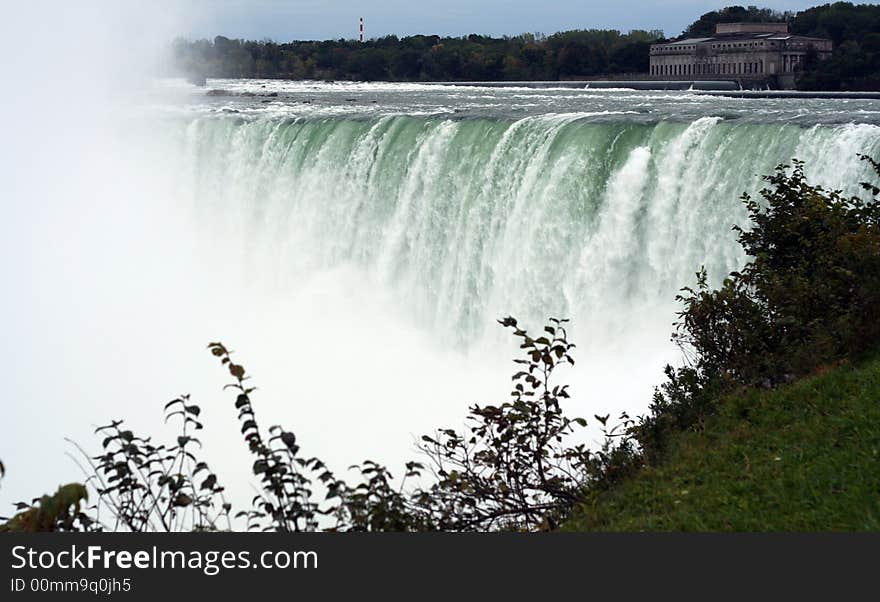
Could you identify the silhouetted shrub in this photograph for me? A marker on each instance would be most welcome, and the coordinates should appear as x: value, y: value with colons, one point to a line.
x: 147, y: 487
x: 511, y: 469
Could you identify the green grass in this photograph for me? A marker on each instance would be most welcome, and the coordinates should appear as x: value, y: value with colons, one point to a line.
x: 804, y: 457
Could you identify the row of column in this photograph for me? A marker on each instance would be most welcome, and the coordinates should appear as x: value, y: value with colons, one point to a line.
x: 749, y: 68
x: 790, y: 62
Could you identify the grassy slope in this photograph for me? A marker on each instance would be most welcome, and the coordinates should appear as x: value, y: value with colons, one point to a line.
x: 803, y: 457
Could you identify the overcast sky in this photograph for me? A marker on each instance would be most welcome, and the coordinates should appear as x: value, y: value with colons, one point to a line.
x: 284, y: 20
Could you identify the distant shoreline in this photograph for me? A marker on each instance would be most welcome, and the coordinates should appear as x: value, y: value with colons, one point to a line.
x: 704, y: 88
x: 710, y: 88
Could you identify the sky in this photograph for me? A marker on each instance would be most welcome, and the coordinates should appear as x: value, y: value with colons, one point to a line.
x: 284, y: 20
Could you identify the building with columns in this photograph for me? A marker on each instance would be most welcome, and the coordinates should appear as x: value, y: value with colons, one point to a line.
x: 753, y: 52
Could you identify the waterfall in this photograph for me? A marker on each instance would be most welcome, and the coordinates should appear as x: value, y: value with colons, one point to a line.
x: 468, y: 220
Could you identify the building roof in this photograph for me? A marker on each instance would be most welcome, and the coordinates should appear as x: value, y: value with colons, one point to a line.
x: 742, y: 37
x: 690, y: 41
x: 733, y: 28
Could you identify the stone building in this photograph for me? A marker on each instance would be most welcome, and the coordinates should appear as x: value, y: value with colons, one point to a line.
x: 742, y: 51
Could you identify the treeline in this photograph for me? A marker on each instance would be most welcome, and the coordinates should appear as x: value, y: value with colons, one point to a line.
x: 855, y: 30
x: 705, y: 25
x: 424, y: 58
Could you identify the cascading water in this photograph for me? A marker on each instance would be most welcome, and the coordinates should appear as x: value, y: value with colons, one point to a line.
x: 403, y: 236
x: 467, y: 220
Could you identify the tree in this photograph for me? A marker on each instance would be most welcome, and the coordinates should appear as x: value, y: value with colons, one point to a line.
x: 475, y: 57
x: 705, y: 25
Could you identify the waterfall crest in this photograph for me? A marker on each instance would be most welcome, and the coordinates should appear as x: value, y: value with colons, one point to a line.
x: 467, y: 220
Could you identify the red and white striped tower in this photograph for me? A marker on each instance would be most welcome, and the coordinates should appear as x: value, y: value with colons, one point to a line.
x: 362, y: 30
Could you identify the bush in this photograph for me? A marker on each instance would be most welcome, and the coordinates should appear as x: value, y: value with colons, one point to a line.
x: 809, y: 296
x: 59, y: 512
x: 510, y: 469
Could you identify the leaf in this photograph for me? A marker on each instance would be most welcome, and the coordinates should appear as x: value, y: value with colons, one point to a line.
x: 289, y: 439
x: 209, y: 482
x: 113, y: 424
x: 173, y: 402
x: 236, y: 370
x: 182, y: 500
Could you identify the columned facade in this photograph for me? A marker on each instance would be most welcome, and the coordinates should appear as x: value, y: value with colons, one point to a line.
x: 749, y: 51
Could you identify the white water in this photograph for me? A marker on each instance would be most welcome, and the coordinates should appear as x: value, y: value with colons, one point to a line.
x: 356, y: 254
x: 386, y: 246
x: 464, y: 221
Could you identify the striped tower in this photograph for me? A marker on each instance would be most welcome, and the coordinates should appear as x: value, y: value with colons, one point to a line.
x: 362, y: 30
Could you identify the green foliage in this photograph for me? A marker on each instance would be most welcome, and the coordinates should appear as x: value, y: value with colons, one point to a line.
x: 423, y: 58
x: 839, y: 21
x: 809, y: 298
x: 810, y: 295
x: 59, y: 512
x: 802, y: 457
x: 717, y: 453
x: 855, y: 31
x: 705, y: 25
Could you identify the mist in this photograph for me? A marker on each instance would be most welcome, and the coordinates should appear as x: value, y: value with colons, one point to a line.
x: 91, y: 252
x: 113, y: 288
